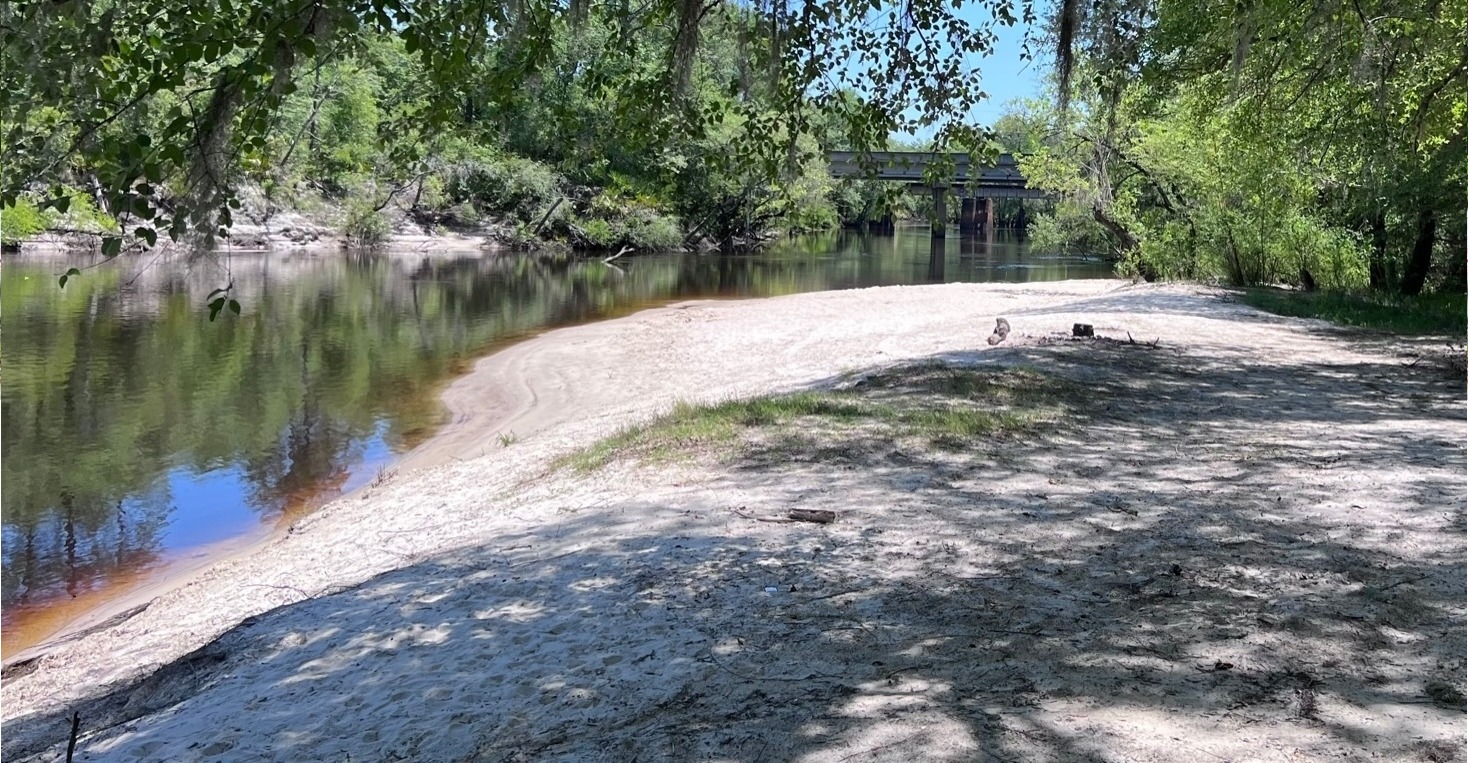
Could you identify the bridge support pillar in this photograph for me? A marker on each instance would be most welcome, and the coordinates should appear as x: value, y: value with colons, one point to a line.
x: 984, y: 214
x: 940, y: 212
x: 966, y: 219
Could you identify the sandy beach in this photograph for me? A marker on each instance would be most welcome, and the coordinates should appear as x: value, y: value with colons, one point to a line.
x: 1253, y: 550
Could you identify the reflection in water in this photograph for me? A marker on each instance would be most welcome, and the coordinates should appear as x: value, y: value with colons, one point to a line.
x: 937, y: 260
x: 135, y: 432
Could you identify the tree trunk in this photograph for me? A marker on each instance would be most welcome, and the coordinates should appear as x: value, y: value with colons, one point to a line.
x: 1421, y: 260
x: 1126, y: 243
x: 1378, y: 250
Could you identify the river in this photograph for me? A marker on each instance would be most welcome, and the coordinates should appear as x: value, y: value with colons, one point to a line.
x: 139, y: 438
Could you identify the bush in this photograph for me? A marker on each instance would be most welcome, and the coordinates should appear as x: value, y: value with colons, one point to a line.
x: 365, y: 227
x: 653, y: 231
x: 599, y: 234
x: 21, y: 221
x: 506, y: 184
x: 1067, y: 228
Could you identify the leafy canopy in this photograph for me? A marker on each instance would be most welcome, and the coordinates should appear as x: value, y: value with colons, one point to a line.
x: 153, y: 104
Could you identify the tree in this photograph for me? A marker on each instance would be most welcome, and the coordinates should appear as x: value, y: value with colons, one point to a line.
x: 1271, y: 132
x: 153, y: 106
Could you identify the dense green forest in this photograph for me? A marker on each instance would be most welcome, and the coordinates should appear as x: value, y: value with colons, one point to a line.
x: 1304, y: 143
x: 1267, y: 142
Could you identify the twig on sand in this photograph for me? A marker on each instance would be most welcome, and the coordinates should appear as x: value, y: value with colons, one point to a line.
x: 737, y: 674
x: 870, y: 750
x: 835, y: 594
x: 547, y: 559
x: 279, y: 588
x: 818, y: 516
x: 1402, y: 582
x: 1150, y: 345
x: 76, y: 727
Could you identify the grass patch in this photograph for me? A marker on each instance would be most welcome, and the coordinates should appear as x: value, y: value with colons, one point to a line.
x: 1423, y: 314
x: 939, y: 406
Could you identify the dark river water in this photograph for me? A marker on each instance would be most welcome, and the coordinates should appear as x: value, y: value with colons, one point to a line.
x: 139, y: 437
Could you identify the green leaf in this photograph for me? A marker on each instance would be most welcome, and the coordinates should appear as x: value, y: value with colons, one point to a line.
x: 67, y: 276
x: 234, y: 306
x: 111, y: 246
x: 214, y: 308
x: 147, y: 234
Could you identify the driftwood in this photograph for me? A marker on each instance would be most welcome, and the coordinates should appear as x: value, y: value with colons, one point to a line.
x: 625, y: 250
x: 1082, y: 329
x: 819, y: 516
x: 1001, y: 330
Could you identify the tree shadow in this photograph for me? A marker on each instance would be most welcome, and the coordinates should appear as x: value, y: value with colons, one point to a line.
x: 1210, y: 559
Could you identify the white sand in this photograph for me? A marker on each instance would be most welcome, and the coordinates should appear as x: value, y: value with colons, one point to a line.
x: 1263, y: 494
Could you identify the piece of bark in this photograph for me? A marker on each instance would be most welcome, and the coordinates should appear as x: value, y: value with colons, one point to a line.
x: 1001, y: 330
x: 813, y: 515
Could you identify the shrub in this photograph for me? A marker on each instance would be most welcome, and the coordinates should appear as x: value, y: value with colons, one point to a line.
x: 365, y: 227
x: 506, y: 184
x: 21, y: 221
x: 599, y: 234
x: 653, y: 231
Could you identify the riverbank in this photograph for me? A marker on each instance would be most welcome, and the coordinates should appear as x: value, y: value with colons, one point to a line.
x: 1236, y: 494
x: 292, y: 233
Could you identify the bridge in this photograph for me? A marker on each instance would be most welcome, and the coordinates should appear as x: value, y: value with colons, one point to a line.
x: 976, y: 184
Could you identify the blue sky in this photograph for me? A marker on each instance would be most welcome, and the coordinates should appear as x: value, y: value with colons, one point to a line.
x: 1004, y: 76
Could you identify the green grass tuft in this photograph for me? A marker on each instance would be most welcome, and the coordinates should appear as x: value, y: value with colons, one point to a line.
x: 940, y: 406
x: 1423, y: 314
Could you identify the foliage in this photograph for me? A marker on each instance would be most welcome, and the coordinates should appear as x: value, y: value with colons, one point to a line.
x: 521, y: 186
x: 168, y: 110
x: 1262, y: 143
x: 21, y: 221
x: 364, y: 226
x: 1442, y: 314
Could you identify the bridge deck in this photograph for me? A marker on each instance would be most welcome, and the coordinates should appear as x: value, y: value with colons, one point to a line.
x: 1001, y: 179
